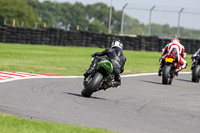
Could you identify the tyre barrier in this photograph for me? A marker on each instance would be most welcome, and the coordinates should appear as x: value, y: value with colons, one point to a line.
x: 60, y: 37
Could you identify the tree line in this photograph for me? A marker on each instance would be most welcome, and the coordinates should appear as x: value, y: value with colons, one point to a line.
x: 94, y: 17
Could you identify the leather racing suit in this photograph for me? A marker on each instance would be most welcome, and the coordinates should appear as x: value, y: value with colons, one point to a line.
x: 195, y: 57
x: 116, y: 57
x: 181, y: 55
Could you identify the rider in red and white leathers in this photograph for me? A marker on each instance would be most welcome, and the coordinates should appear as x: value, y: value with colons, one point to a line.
x: 175, y: 43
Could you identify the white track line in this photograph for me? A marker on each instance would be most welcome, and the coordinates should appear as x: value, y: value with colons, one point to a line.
x: 147, y: 74
x: 68, y: 77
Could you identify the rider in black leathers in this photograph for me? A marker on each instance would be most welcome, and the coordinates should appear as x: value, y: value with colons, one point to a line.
x: 196, y: 54
x: 195, y: 57
x: 117, y: 58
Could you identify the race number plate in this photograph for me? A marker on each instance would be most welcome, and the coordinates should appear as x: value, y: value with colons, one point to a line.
x: 170, y: 60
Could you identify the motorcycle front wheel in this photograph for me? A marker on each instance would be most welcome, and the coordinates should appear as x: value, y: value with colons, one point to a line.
x: 196, y: 73
x: 92, y: 85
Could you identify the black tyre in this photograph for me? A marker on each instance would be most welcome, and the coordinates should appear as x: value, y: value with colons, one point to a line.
x: 196, y: 73
x: 166, y: 78
x: 92, y: 85
x: 170, y: 81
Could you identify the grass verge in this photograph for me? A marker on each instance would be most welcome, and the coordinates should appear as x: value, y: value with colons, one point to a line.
x: 13, y: 124
x: 70, y: 61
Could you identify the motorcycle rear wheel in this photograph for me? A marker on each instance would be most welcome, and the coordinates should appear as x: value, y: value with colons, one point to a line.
x: 196, y: 73
x: 166, y: 77
x: 92, y: 85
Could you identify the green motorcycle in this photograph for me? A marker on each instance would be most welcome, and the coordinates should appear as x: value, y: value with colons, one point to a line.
x: 99, y: 79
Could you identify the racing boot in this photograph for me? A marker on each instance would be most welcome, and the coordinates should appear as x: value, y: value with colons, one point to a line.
x: 176, y: 72
x: 115, y: 84
x: 104, y: 87
x: 160, y: 72
x: 160, y: 69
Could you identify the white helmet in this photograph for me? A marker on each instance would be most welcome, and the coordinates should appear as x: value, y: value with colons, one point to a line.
x: 117, y: 43
x: 175, y: 41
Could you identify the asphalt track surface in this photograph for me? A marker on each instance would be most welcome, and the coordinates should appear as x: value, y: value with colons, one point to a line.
x: 141, y: 105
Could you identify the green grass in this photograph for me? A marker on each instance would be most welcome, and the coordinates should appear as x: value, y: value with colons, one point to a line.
x: 70, y: 61
x: 13, y: 124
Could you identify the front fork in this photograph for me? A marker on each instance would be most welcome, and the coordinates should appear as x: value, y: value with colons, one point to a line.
x: 87, y: 80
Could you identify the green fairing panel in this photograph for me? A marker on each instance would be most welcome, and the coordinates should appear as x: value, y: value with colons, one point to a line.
x: 106, y: 65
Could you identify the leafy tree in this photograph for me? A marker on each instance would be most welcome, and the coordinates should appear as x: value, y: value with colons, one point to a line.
x: 116, y: 21
x: 97, y: 26
x: 19, y: 11
x: 78, y: 16
x: 98, y: 11
x: 65, y: 14
x: 133, y: 26
x: 93, y: 17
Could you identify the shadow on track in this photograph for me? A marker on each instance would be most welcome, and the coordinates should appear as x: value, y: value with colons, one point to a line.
x: 152, y: 82
x: 184, y: 80
x: 78, y: 95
